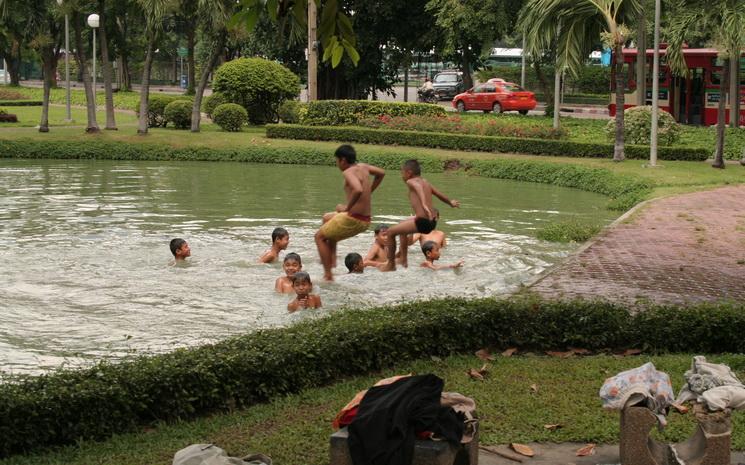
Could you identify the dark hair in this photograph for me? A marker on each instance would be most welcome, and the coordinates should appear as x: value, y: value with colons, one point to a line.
x: 176, y: 244
x: 413, y: 166
x: 352, y: 259
x: 428, y: 247
x: 279, y: 233
x: 347, y: 153
x: 301, y: 276
x: 380, y: 227
x: 292, y: 256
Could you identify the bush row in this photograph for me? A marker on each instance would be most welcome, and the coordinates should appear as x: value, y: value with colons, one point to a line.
x: 478, y: 143
x: 345, y: 112
x: 624, y: 191
x: 106, y: 399
x: 21, y: 103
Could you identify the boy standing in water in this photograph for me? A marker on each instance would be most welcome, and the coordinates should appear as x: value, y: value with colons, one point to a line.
x: 425, y: 216
x: 302, y: 286
x: 280, y: 241
x: 180, y: 249
x: 353, y: 217
x: 291, y: 265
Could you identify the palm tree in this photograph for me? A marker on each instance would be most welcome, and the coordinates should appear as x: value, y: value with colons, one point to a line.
x: 154, y: 11
x: 726, y: 20
x: 582, y: 22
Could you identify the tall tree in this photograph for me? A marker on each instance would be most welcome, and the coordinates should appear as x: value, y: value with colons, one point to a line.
x: 154, y: 11
x: 45, y: 22
x: 77, y: 19
x: 15, y: 16
x: 106, y: 69
x: 726, y: 20
x: 582, y: 22
x: 188, y: 16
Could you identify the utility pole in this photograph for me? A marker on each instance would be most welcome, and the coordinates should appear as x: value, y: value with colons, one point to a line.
x: 522, y: 70
x: 655, y: 87
x: 312, y: 52
x: 557, y: 83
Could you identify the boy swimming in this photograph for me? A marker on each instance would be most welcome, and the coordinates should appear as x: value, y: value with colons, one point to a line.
x: 353, y: 217
x: 376, y: 255
x: 424, y: 220
x: 291, y: 264
x: 354, y: 263
x: 431, y: 252
x: 302, y: 286
x: 180, y: 249
x: 280, y: 241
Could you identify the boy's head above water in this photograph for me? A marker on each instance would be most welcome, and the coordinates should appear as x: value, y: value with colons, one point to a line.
x: 301, y: 283
x: 345, y: 154
x: 280, y: 238
x: 431, y: 250
x: 292, y: 264
x: 180, y: 249
x: 354, y: 263
x: 410, y: 169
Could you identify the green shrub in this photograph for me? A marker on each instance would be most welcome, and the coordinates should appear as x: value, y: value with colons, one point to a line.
x: 230, y: 117
x: 6, y: 117
x: 568, y: 231
x: 178, y: 112
x: 478, y: 143
x: 292, y: 111
x: 21, y: 103
x: 347, y: 112
x: 106, y: 399
x: 638, y: 127
x: 212, y: 101
x: 156, y: 111
x: 258, y: 85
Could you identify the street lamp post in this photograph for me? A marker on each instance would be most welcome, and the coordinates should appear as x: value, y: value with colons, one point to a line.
x: 67, y: 63
x: 93, y: 22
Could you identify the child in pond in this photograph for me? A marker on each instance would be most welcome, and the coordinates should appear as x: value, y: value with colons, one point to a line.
x: 280, y: 241
x: 180, y: 250
x: 425, y: 216
x: 354, y: 263
x: 291, y: 264
x: 376, y: 255
x: 432, y: 252
x: 302, y: 286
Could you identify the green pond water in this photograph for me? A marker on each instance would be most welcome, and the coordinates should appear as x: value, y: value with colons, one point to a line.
x: 85, y: 260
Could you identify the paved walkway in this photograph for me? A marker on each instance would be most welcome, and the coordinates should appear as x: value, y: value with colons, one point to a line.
x: 686, y: 248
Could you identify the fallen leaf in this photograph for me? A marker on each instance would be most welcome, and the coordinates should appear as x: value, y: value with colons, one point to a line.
x: 484, y: 369
x: 522, y: 449
x: 578, y: 351
x: 629, y: 352
x: 587, y: 450
x: 475, y: 374
x: 680, y: 408
x: 501, y: 453
x: 484, y: 354
x: 435, y: 358
x: 560, y: 354
x: 553, y: 427
x: 534, y: 388
x: 509, y: 352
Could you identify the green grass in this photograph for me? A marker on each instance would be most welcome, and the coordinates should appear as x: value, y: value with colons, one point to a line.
x: 29, y: 117
x: 294, y: 430
x: 568, y: 231
x: 122, y: 100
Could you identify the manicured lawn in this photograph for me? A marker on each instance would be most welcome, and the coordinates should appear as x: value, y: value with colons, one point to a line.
x: 28, y: 117
x: 294, y: 430
x: 122, y: 100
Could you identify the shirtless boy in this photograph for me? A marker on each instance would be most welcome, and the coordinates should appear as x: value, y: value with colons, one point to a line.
x: 424, y: 220
x: 180, y: 249
x: 280, y: 241
x: 431, y: 253
x: 353, y: 217
x: 291, y: 265
x: 303, y: 287
x: 376, y: 255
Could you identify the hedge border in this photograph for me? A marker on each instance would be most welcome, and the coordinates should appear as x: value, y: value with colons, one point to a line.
x: 624, y: 191
x: 476, y: 143
x: 20, y: 103
x: 73, y: 405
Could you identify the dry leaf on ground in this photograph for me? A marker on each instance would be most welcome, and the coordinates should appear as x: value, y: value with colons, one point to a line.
x: 522, y: 449
x: 578, y: 351
x: 629, y: 352
x: 484, y: 354
x: 553, y: 427
x: 560, y: 354
x: 585, y: 451
x: 474, y: 374
x: 680, y: 408
x: 509, y: 352
x: 534, y: 388
x: 502, y: 453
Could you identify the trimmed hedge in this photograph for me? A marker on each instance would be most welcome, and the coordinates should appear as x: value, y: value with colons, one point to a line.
x: 21, y: 103
x: 624, y: 191
x: 178, y: 112
x: 156, y: 108
x: 230, y: 117
x: 69, y: 406
x: 557, y: 148
x: 346, y: 112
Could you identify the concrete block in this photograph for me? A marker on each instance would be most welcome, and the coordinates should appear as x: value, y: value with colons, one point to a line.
x: 636, y: 447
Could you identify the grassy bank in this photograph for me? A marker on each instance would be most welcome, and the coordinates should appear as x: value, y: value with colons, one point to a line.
x: 29, y: 117
x: 294, y: 429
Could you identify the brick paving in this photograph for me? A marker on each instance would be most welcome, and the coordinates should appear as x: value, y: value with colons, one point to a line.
x: 687, y: 248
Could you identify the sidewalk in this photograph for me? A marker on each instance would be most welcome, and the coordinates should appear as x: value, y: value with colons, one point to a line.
x: 686, y: 248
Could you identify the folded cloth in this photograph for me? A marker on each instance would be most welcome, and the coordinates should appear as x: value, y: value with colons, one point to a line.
x: 713, y: 384
x: 644, y: 385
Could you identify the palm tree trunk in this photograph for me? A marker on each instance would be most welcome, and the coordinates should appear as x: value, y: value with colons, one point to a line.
x: 721, y: 115
x: 83, y: 66
x: 14, y: 63
x: 548, y: 92
x: 734, y: 92
x: 145, y: 85
x: 49, y: 69
x: 196, y: 112
x: 618, y: 154
x: 106, y: 69
x: 190, y: 72
x: 641, y: 58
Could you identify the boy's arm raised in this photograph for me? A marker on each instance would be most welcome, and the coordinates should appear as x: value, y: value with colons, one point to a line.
x: 453, y: 203
x: 378, y: 173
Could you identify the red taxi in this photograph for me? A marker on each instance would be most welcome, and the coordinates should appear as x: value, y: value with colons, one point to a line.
x: 496, y: 95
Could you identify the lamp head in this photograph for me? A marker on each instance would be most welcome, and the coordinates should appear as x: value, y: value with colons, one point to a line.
x: 93, y: 20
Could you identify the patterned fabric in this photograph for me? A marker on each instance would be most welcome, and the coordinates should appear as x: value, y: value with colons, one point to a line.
x: 645, y: 386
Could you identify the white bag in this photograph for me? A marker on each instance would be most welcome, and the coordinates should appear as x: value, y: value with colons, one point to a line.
x: 210, y: 454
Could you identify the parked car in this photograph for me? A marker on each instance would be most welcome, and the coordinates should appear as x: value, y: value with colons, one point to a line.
x: 448, y: 84
x: 497, y: 97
